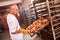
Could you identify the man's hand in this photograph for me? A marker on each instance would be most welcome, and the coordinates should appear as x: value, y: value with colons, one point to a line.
x: 24, y: 31
x: 21, y: 31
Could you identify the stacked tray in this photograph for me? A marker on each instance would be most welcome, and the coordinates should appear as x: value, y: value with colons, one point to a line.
x: 37, y: 25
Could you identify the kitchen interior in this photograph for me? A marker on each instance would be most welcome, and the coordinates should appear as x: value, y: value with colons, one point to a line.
x: 41, y: 17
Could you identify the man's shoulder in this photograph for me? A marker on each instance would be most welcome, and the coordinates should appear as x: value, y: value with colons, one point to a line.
x: 10, y: 17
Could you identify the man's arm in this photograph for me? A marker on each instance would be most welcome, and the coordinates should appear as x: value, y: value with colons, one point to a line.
x: 16, y: 32
x: 20, y: 31
x: 14, y: 26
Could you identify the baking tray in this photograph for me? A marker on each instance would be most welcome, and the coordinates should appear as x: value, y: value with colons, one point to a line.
x: 35, y: 32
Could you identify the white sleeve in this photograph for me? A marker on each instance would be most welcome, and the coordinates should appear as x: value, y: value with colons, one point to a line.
x: 12, y: 23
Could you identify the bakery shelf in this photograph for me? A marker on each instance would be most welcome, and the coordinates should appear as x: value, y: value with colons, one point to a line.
x: 57, y: 28
x: 51, y: 1
x: 31, y: 7
x: 56, y: 16
x: 41, y: 8
x: 32, y: 14
x: 57, y: 33
x: 47, y: 32
x: 56, y: 24
x: 40, y: 4
x: 56, y: 19
x: 55, y: 11
x: 32, y: 10
x: 55, y: 6
x: 44, y: 14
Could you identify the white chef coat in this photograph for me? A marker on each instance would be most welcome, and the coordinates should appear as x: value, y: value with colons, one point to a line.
x: 13, y: 25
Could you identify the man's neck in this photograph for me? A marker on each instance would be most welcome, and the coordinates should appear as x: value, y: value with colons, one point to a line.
x: 12, y: 13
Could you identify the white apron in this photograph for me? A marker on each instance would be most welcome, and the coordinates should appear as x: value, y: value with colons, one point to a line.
x: 13, y: 25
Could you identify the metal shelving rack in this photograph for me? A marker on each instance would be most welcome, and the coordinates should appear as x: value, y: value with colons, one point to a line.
x: 32, y: 12
x: 53, y: 13
x: 52, y: 20
x: 40, y: 9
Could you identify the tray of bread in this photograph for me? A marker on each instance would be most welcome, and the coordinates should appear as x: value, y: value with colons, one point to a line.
x: 37, y: 25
